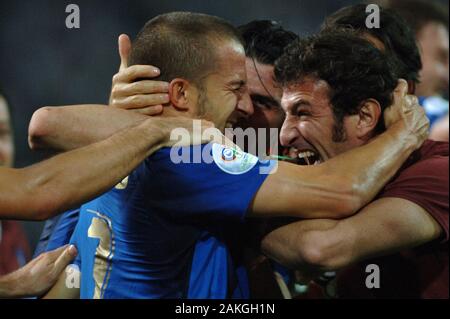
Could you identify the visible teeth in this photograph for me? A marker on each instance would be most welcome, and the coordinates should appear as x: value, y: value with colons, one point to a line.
x: 305, y: 154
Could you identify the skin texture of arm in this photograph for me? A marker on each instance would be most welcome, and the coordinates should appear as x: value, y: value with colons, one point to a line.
x: 36, y: 277
x: 45, y: 189
x: 323, y: 245
x: 69, y: 127
x: 60, y: 290
x: 339, y: 187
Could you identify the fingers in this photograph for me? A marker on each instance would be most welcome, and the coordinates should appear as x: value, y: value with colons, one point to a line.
x: 150, y: 111
x: 54, y: 254
x: 140, y: 101
x: 140, y: 87
x: 124, y: 50
x: 412, y: 101
x: 400, y: 92
x: 134, y: 72
x: 67, y: 255
x: 402, y: 88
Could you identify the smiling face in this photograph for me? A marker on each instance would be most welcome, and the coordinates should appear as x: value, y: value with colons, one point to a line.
x: 265, y: 95
x: 309, y: 130
x: 225, y: 99
x: 6, y: 137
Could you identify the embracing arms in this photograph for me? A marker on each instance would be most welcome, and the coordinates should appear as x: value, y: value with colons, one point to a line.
x: 42, y: 190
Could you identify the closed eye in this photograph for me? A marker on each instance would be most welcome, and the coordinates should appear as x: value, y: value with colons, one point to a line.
x: 265, y: 102
x: 303, y: 113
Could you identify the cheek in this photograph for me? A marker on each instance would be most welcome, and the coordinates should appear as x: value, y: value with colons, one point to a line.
x: 227, y: 104
x: 313, y: 132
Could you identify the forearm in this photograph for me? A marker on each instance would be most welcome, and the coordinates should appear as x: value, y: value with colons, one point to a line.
x: 292, y: 245
x: 9, y: 287
x: 329, y: 244
x: 69, y: 127
x: 366, y: 169
x: 60, y: 290
x: 66, y: 180
x: 339, y: 187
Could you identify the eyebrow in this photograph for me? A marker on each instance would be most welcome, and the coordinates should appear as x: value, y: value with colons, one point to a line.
x: 264, y: 100
x: 299, y: 104
x: 302, y: 103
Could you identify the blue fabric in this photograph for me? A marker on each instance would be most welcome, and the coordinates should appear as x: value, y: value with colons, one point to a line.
x: 435, y: 107
x: 164, y: 235
x: 57, y: 231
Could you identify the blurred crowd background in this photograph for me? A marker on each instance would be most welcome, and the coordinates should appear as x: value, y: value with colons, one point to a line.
x: 44, y: 63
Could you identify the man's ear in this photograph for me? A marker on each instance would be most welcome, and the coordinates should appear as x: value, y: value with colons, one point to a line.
x: 369, y: 115
x: 181, y: 93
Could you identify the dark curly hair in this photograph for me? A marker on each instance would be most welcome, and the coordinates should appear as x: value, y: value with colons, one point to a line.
x: 395, y: 34
x: 351, y: 66
x: 265, y: 40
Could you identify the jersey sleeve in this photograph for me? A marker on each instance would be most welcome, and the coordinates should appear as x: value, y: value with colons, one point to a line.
x: 425, y: 184
x: 57, y: 231
x: 221, y: 186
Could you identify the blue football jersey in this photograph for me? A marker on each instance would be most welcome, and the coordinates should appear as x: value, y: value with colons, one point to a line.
x: 57, y: 231
x: 163, y: 232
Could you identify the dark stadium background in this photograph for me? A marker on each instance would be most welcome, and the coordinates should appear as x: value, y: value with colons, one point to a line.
x: 44, y: 63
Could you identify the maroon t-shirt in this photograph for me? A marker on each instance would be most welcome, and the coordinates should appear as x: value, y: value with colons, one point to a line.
x: 14, y: 248
x: 421, y: 272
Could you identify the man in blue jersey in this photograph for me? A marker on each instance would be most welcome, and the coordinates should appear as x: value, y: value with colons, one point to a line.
x: 164, y: 231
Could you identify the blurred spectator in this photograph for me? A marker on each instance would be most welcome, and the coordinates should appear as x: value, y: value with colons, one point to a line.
x: 14, y: 248
x: 429, y: 21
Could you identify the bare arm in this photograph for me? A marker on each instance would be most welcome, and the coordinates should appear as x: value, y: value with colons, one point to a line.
x: 61, y: 290
x: 69, y: 127
x: 36, y: 277
x: 339, y: 187
x: 329, y: 244
x: 342, y: 185
x: 64, y: 181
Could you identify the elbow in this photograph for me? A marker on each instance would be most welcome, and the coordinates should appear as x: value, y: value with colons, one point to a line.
x: 321, y: 250
x: 314, y: 249
x: 39, y: 127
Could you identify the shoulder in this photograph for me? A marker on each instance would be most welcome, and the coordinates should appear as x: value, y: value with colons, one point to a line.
x: 433, y: 148
x: 425, y: 183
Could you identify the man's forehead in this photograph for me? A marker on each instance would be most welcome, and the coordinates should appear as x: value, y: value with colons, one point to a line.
x: 230, y: 57
x: 308, y: 88
x: 260, y: 79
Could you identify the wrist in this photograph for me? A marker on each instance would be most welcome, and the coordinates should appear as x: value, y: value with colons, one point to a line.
x: 407, y: 138
x: 157, y: 136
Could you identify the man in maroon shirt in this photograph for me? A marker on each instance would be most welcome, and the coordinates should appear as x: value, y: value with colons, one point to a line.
x: 395, y: 247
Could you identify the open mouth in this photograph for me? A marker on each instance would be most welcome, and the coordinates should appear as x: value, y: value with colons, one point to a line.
x: 302, y: 157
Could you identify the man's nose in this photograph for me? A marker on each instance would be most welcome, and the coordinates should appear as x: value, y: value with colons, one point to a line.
x: 245, y: 105
x: 289, y: 132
